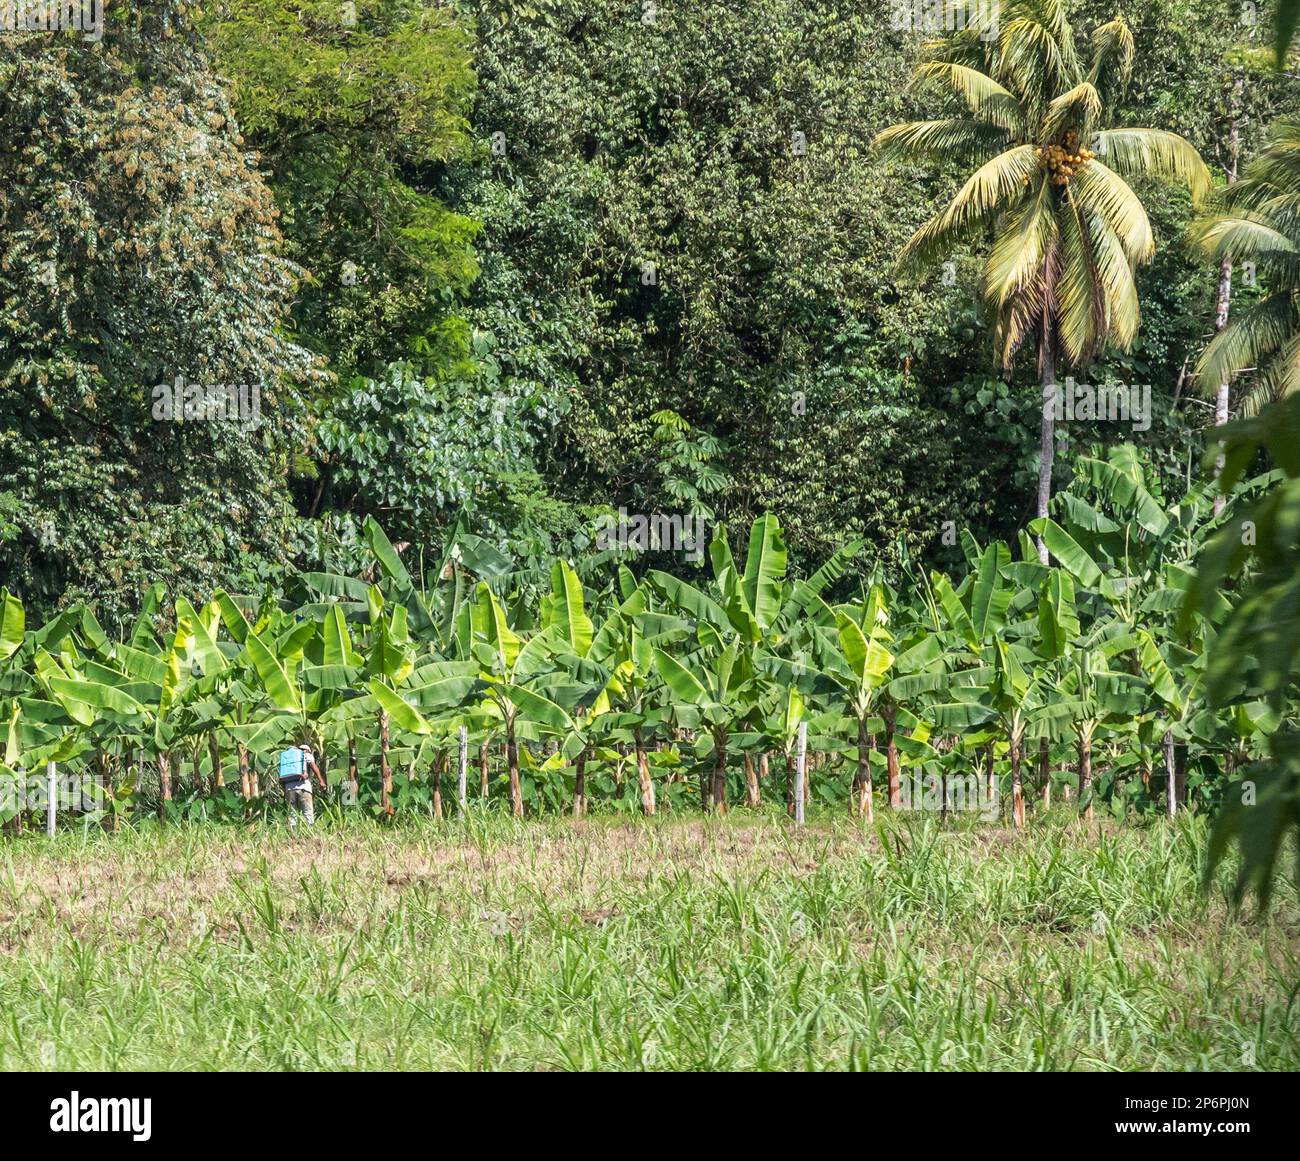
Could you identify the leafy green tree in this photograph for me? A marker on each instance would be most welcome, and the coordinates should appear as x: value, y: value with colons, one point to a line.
x: 354, y: 107
x: 138, y: 244
x: 680, y: 215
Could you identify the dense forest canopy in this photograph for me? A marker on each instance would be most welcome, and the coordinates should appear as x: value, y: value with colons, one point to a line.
x: 526, y: 265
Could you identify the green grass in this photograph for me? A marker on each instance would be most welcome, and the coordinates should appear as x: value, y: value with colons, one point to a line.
x: 677, y: 944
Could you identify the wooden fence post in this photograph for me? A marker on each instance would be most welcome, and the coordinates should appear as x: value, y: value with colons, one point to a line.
x: 800, y: 772
x: 51, y: 798
x: 464, y: 768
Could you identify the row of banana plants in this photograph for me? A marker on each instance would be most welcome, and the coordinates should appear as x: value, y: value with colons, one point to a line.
x: 1086, y: 676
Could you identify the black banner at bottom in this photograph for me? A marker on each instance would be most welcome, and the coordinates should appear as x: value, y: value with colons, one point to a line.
x: 152, y: 1110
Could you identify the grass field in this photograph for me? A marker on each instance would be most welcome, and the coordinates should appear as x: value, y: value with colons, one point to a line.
x: 674, y: 944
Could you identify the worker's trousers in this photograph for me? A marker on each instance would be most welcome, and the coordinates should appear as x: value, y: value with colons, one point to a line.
x: 300, y: 801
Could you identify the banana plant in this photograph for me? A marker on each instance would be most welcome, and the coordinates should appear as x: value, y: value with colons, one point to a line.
x: 511, y: 670
x: 859, y: 663
x: 713, y: 688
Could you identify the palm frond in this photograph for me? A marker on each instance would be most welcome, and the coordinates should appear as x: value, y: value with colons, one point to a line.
x: 1030, y: 60
x: 1252, y: 338
x: 1078, y: 108
x: 1228, y: 237
x: 1112, y: 58
x: 1103, y: 192
x: 993, y: 188
x: 1116, y: 288
x: 954, y: 138
x: 1279, y: 378
x: 986, y: 99
x: 1024, y: 311
x: 1155, y: 153
x: 1082, y: 311
x: 1017, y: 254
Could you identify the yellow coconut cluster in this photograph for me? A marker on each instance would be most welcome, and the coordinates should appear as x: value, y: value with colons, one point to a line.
x: 1063, y: 160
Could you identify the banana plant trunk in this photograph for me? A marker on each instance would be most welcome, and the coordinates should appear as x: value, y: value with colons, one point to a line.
x: 752, y: 794
x: 245, y: 783
x: 165, y: 781
x: 866, y: 809
x: 214, y: 752
x: 643, y: 775
x: 719, y: 795
x: 109, y: 821
x: 1017, y: 790
x: 385, y: 770
x: 516, y: 787
x: 1085, y: 774
x: 580, y: 785
x: 889, y: 714
x: 439, y: 768
x: 354, y: 787
x: 484, y: 758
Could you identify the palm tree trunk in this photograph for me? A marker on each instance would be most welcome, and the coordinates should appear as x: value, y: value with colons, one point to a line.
x: 1221, y: 398
x: 752, y: 797
x: 643, y: 775
x: 1047, y: 441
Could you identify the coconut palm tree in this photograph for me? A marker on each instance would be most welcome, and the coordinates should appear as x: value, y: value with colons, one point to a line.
x: 1257, y: 219
x: 1066, y: 229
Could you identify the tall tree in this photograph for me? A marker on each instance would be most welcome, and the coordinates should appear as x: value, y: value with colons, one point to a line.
x: 1256, y: 220
x: 1067, y: 231
x: 138, y: 246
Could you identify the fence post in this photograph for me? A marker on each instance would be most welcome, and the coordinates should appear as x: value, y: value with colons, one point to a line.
x: 800, y: 772
x: 51, y: 798
x: 464, y: 768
